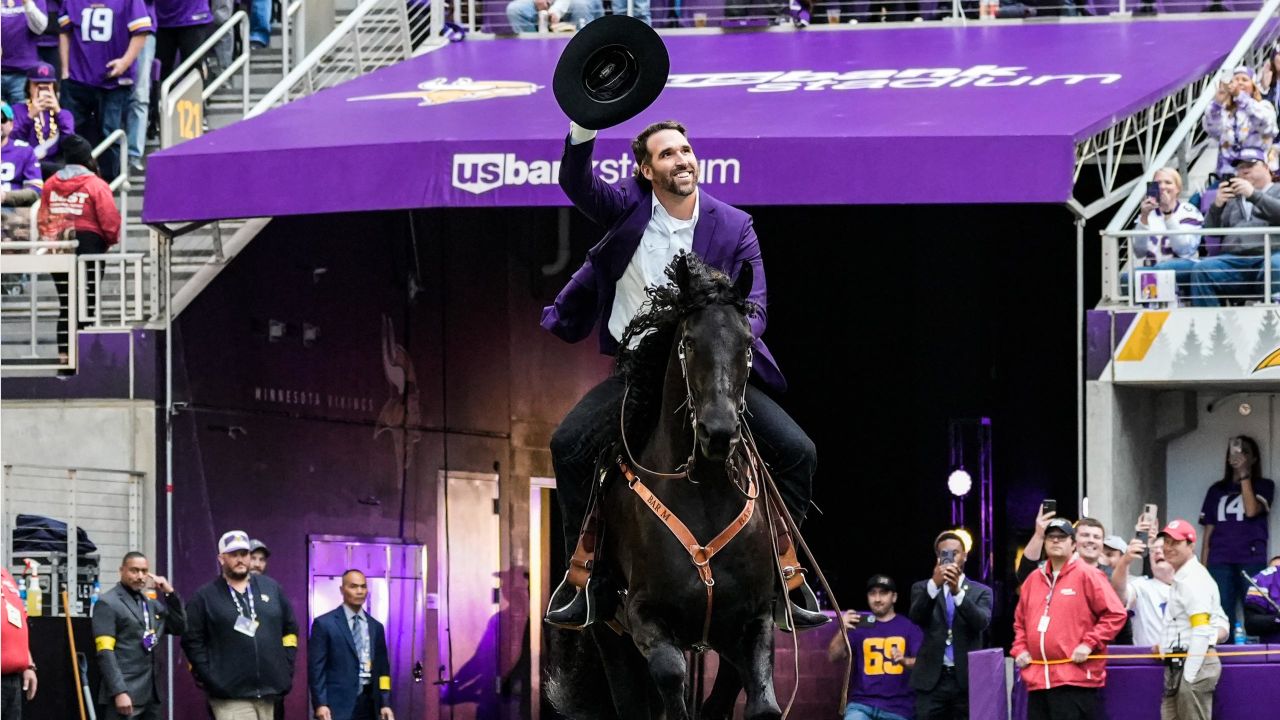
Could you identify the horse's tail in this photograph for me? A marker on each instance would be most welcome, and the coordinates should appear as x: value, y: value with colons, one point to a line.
x: 576, y: 685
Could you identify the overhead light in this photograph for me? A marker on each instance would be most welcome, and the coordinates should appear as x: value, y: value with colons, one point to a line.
x: 959, y: 482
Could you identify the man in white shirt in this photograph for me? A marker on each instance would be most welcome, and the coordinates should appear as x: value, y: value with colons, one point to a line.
x: 1189, y: 682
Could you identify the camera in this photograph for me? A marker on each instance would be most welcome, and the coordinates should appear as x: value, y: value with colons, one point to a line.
x: 947, y: 557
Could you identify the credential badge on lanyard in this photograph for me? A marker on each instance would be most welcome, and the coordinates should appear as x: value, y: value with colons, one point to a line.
x: 245, y: 625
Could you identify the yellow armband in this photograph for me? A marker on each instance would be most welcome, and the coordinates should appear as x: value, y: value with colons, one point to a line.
x: 289, y: 640
x: 1199, y: 619
x: 104, y: 642
x: 384, y: 682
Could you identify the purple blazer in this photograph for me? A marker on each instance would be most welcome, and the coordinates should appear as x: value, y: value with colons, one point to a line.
x: 723, y: 238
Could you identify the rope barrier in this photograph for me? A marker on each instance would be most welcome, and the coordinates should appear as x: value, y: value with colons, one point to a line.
x: 1159, y: 656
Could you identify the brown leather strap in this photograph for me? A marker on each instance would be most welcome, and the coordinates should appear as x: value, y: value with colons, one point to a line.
x: 584, y: 555
x: 699, y: 554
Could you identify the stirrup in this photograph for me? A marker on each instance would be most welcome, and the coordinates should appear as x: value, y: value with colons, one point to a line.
x: 805, y: 615
x: 572, y: 612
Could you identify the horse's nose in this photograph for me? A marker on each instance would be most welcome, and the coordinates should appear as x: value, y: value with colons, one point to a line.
x: 717, y: 438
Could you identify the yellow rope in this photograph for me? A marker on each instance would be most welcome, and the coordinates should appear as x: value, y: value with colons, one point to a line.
x: 1159, y: 656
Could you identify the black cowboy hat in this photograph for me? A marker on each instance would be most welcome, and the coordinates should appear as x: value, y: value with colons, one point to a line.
x: 612, y: 70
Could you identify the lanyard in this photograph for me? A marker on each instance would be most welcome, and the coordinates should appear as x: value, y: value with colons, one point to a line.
x: 235, y: 597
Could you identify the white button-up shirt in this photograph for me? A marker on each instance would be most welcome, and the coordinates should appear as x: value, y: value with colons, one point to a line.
x: 1193, y: 593
x: 664, y: 237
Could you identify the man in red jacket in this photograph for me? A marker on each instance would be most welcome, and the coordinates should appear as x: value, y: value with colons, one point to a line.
x: 16, y: 666
x: 1067, y: 611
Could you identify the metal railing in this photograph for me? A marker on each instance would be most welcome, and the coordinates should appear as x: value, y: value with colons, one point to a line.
x: 106, y: 504
x: 1226, y: 270
x: 120, y: 183
x: 293, y: 39
x: 38, y: 278
x: 240, y: 63
x: 374, y: 35
x: 123, y: 271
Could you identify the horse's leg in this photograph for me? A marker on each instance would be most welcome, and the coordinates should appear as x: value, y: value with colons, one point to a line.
x: 667, y: 665
x: 724, y: 693
x: 757, y: 670
x: 624, y: 669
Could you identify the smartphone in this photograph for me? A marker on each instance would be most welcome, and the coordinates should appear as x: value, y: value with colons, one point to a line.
x: 947, y: 557
x: 1153, y: 190
x: 1151, y: 511
x: 1048, y: 506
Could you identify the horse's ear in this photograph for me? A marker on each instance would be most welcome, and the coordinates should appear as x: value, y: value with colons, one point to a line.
x: 680, y: 267
x: 746, y: 276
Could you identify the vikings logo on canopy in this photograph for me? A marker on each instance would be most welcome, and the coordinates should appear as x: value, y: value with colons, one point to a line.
x: 441, y: 91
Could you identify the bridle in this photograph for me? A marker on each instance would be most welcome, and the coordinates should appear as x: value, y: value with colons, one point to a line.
x: 684, y: 471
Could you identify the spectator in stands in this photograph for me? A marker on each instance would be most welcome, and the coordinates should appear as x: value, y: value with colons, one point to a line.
x: 20, y: 23
x: 954, y: 613
x: 77, y: 205
x: 41, y: 121
x: 127, y: 627
x: 47, y: 42
x: 1250, y: 199
x: 17, y: 668
x: 1089, y: 535
x: 523, y: 14
x: 259, y: 23
x: 20, y: 179
x: 1031, y: 554
x: 1145, y: 595
x: 1235, y: 514
x: 100, y: 43
x: 1262, y: 604
x: 137, y: 115
x: 181, y: 27
x: 884, y: 651
x: 1238, y: 118
x: 258, y: 555
x: 1189, y: 683
x: 1113, y: 549
x: 1066, y: 611
x: 1163, y: 215
x: 242, y: 652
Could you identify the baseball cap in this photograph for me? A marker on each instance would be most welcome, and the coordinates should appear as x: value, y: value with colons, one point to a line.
x: 6, y: 112
x: 1060, y: 525
x: 42, y: 73
x: 882, y: 581
x: 1250, y: 155
x: 1180, y: 530
x: 255, y: 545
x: 1115, y: 542
x: 1243, y: 70
x: 233, y: 540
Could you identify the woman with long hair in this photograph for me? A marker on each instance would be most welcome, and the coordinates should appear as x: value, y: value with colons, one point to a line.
x: 1235, y: 515
x: 1239, y: 118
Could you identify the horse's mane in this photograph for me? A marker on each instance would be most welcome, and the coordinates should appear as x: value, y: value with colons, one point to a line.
x: 643, y: 364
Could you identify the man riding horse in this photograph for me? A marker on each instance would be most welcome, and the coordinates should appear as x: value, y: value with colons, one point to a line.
x: 651, y: 218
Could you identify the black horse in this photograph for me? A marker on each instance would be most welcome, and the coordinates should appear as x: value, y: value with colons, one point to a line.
x: 684, y: 409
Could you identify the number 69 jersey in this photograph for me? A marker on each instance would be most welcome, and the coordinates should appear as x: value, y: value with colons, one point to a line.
x: 877, y: 681
x: 1236, y: 537
x: 99, y: 32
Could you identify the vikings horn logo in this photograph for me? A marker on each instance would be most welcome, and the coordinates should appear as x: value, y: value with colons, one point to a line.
x: 441, y: 91
x: 1270, y: 361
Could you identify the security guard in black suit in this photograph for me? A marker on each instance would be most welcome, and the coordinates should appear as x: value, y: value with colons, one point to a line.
x: 127, y: 628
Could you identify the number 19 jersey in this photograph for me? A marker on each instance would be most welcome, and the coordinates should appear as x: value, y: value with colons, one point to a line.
x: 99, y: 32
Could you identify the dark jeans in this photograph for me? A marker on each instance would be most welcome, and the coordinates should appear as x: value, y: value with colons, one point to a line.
x: 591, y: 427
x: 1231, y: 586
x: 98, y: 113
x: 149, y: 712
x: 1066, y: 702
x: 90, y: 244
x: 946, y: 701
x: 11, y: 696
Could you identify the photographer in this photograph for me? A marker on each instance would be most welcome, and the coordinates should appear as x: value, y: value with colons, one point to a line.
x: 1239, y: 118
x: 1189, y: 682
x: 1248, y: 199
x: 1235, y: 515
x: 884, y: 651
x: 1066, y: 611
x: 954, y: 613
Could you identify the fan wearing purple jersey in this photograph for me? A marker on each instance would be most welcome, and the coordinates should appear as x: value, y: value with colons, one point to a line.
x: 1262, y: 604
x: 41, y: 121
x: 884, y: 651
x: 21, y: 22
x: 47, y: 42
x: 181, y: 25
x: 1235, y: 515
x: 20, y: 179
x: 100, y: 41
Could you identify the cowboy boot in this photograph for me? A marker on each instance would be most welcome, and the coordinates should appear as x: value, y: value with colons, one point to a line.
x: 574, y: 603
x: 806, y: 614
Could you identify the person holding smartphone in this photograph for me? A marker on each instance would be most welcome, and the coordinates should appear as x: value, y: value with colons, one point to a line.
x: 1249, y: 199
x: 954, y: 613
x: 1239, y: 118
x: 41, y: 122
x: 1163, y: 212
x: 884, y: 652
x: 1235, y: 517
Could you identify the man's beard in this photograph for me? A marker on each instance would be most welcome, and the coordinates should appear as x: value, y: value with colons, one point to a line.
x: 234, y: 574
x: 670, y: 185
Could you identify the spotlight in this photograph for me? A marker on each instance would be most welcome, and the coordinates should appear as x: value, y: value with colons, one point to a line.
x: 959, y: 482
x: 966, y: 539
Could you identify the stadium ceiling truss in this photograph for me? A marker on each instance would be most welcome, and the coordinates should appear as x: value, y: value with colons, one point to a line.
x: 1136, y: 139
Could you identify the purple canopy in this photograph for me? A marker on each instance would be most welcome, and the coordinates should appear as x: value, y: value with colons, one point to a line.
x: 981, y: 114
